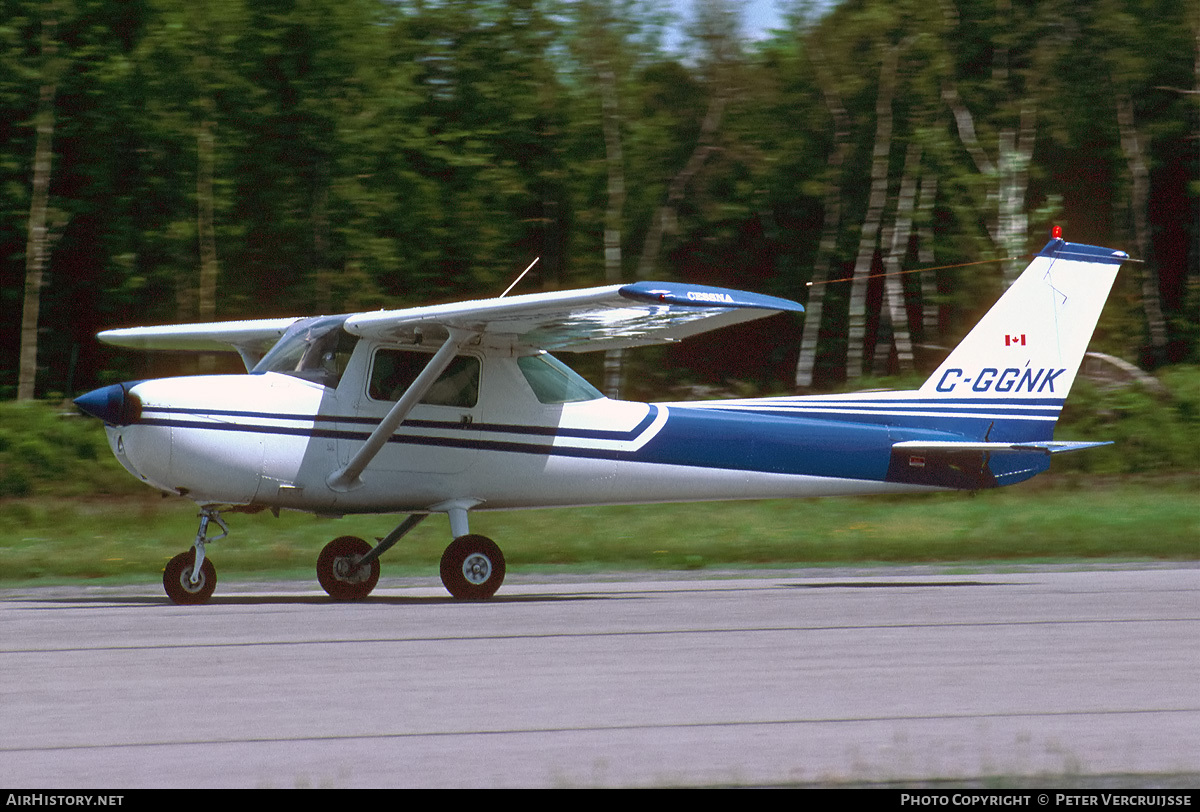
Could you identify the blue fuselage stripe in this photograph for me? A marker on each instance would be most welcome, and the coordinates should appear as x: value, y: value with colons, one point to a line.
x: 371, y: 423
x: 698, y: 437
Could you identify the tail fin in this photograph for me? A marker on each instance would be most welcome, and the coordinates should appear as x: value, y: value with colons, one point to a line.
x: 1020, y: 360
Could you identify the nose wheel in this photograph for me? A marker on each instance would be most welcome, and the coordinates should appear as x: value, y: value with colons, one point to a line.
x: 184, y: 585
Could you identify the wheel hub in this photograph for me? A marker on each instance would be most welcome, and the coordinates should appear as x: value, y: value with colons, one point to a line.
x: 477, y: 568
x: 185, y: 580
x: 346, y: 569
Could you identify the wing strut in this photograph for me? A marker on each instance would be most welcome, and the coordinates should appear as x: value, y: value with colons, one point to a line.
x: 347, y: 478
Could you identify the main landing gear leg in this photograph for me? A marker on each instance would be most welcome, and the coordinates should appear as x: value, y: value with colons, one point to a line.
x: 190, y: 578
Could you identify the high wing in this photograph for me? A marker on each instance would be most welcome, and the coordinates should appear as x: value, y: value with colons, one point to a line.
x: 249, y: 338
x: 602, y: 318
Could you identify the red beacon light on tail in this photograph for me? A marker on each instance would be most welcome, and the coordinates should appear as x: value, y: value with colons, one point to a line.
x: 1056, y: 233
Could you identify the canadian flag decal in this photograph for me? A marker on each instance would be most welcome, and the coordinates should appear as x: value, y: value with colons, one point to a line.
x: 1013, y: 341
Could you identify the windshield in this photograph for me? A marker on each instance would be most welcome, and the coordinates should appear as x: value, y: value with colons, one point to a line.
x: 552, y: 381
x: 315, y: 349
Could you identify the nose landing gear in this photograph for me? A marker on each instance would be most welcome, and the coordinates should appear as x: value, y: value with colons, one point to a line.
x: 189, y: 577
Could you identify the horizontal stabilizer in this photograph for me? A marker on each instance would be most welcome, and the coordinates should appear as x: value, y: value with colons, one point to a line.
x: 1044, y: 447
x: 973, y: 465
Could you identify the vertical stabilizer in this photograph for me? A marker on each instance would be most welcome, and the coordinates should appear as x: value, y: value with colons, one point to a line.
x: 1025, y: 352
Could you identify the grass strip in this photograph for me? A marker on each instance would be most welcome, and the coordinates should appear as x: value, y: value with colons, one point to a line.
x: 1055, y: 519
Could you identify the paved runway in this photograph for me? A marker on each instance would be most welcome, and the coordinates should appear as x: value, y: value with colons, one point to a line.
x: 763, y: 678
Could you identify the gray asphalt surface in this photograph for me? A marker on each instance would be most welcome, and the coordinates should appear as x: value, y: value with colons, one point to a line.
x: 759, y: 678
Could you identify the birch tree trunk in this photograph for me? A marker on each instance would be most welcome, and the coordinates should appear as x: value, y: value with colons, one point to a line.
x: 869, y: 238
x: 927, y: 194
x: 1139, y: 177
x: 615, y: 211
x: 826, y: 257
x: 1015, y: 156
x: 719, y: 40
x: 1006, y: 221
x: 37, y: 240
x: 716, y: 29
x: 894, y: 304
x: 665, y: 217
x: 1007, y: 224
x: 207, y: 291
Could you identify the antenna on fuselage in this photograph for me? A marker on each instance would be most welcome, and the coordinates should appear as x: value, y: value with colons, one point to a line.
x: 519, y: 278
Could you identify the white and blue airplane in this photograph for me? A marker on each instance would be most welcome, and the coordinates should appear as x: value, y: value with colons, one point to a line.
x: 460, y: 407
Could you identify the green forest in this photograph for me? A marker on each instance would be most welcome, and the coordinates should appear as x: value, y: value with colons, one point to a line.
x: 889, y: 163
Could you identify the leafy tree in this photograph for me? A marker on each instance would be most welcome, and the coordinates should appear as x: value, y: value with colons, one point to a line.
x: 178, y: 161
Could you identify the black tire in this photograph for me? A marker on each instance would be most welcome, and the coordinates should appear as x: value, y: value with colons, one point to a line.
x: 473, y: 567
x: 177, y: 579
x: 337, y: 575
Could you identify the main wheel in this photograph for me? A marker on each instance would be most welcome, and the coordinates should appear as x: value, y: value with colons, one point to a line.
x: 472, y: 567
x: 339, y: 572
x: 177, y: 579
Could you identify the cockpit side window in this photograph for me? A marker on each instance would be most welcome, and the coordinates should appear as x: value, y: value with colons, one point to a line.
x: 393, y: 371
x: 316, y: 349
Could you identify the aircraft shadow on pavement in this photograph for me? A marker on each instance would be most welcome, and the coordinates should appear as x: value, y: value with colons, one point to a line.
x: 890, y: 584
x: 254, y: 600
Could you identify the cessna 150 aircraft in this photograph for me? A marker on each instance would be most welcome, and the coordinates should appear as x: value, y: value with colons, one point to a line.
x: 460, y: 407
